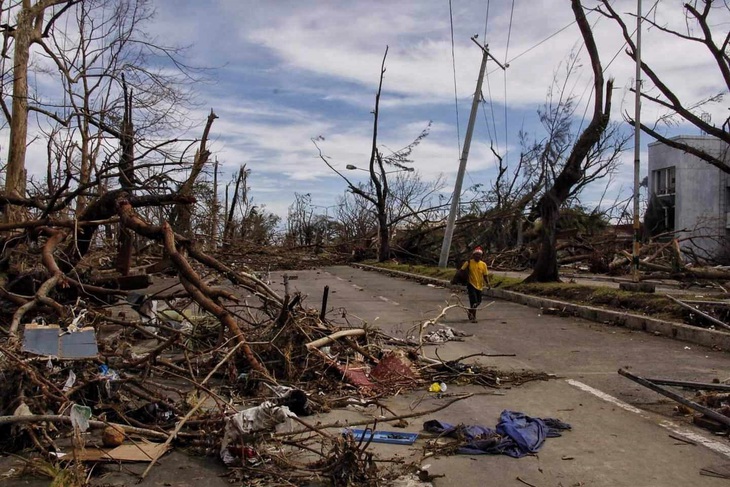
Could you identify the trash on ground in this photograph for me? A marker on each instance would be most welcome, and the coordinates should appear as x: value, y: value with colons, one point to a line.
x: 516, y: 435
x: 52, y: 341
x: 390, y: 437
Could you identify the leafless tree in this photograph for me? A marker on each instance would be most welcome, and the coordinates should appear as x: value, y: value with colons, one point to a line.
x: 573, y: 171
x: 32, y: 22
x: 512, y: 196
x: 704, y: 25
x: 377, y: 191
x: 356, y: 222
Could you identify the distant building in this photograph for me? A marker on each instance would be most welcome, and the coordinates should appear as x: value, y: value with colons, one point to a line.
x: 691, y: 196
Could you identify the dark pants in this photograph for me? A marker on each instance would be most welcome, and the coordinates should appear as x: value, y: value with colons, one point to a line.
x: 475, y: 296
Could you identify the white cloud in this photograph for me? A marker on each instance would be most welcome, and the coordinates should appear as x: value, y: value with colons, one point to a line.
x: 288, y: 71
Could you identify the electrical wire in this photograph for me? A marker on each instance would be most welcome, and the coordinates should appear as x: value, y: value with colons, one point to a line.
x: 486, y: 22
x: 506, y: 53
x: 484, y: 112
x: 453, y: 66
x: 540, y: 43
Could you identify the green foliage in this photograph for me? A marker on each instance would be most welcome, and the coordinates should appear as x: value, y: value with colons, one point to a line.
x: 582, y: 220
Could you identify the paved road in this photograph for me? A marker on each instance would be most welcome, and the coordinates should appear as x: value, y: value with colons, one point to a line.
x: 621, y: 430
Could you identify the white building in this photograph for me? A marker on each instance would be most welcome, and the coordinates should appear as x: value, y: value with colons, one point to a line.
x: 694, y: 195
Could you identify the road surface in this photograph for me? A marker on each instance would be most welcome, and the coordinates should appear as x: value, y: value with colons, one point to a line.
x: 621, y: 431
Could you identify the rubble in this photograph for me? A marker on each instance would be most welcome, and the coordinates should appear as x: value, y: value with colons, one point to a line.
x: 213, y: 361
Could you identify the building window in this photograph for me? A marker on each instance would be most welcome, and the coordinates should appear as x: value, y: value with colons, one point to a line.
x: 664, y: 181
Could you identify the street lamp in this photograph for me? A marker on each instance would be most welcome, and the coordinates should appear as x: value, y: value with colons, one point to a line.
x: 350, y: 167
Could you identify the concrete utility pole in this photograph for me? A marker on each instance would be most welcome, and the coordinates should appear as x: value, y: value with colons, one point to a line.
x: 637, y: 147
x: 449, y: 233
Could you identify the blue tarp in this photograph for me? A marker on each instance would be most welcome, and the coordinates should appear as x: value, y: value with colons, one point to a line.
x: 516, y: 434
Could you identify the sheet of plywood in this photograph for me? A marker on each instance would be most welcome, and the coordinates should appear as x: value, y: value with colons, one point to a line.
x: 129, y: 452
x: 50, y: 340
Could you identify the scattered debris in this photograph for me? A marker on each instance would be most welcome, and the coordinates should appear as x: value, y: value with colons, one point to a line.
x: 389, y: 437
x: 444, y: 335
x: 138, y: 452
x: 201, y: 363
x: 721, y: 471
x: 516, y: 435
x: 51, y: 341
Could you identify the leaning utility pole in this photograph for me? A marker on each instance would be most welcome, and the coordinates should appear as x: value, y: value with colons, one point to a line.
x: 449, y: 233
x: 637, y: 147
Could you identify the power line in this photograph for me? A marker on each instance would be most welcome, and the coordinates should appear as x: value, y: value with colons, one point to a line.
x: 506, y: 53
x: 491, y: 108
x: 453, y: 66
x: 509, y: 31
x: 540, y: 43
x: 486, y: 122
x: 484, y: 112
x: 486, y: 22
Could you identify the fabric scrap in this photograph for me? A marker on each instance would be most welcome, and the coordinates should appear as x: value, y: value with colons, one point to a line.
x: 516, y: 435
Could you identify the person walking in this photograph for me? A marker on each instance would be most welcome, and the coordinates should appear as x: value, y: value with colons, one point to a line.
x: 478, y: 278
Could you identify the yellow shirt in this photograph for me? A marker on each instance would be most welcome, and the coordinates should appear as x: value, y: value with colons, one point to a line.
x: 477, y: 273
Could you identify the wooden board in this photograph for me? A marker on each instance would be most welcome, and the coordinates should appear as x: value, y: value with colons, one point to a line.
x: 129, y: 452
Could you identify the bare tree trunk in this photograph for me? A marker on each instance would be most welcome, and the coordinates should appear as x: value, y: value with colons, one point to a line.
x: 15, y: 172
x: 214, y: 209
x: 25, y: 33
x: 126, y: 181
x: 383, y: 236
x: 546, y: 267
x: 228, y: 230
x: 182, y: 215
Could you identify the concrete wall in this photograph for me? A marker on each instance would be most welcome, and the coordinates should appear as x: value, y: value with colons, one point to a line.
x: 701, y: 191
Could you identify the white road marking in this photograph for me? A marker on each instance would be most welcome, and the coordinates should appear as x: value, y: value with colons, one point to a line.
x: 713, y: 445
x: 606, y: 397
x: 388, y: 300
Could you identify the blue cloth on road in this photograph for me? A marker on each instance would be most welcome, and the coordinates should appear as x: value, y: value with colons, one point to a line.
x: 516, y: 434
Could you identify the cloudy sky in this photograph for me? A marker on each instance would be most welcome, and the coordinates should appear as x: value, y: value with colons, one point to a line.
x: 287, y: 71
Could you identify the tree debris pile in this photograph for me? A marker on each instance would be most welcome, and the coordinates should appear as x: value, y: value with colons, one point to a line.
x: 264, y: 259
x: 189, y: 362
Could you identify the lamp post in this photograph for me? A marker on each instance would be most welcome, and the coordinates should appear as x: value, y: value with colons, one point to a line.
x: 350, y: 167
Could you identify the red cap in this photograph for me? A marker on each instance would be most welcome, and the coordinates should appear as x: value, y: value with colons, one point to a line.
x: 478, y: 250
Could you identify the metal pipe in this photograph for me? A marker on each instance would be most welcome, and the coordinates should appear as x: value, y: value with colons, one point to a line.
x: 720, y: 418
x: 691, y: 385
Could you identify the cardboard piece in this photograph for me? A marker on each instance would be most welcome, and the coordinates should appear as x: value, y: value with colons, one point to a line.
x: 140, y: 452
x: 50, y: 340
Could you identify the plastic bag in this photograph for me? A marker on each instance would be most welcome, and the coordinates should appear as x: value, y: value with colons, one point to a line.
x: 80, y: 416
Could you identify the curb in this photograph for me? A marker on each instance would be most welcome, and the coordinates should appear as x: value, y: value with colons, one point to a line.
x: 678, y: 331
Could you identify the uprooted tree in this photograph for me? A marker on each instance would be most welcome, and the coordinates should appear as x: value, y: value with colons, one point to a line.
x: 125, y: 173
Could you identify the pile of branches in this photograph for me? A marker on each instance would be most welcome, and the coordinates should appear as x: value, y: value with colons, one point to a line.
x: 611, y: 254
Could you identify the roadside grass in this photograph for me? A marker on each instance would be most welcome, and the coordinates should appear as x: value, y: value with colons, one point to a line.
x: 655, y: 305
